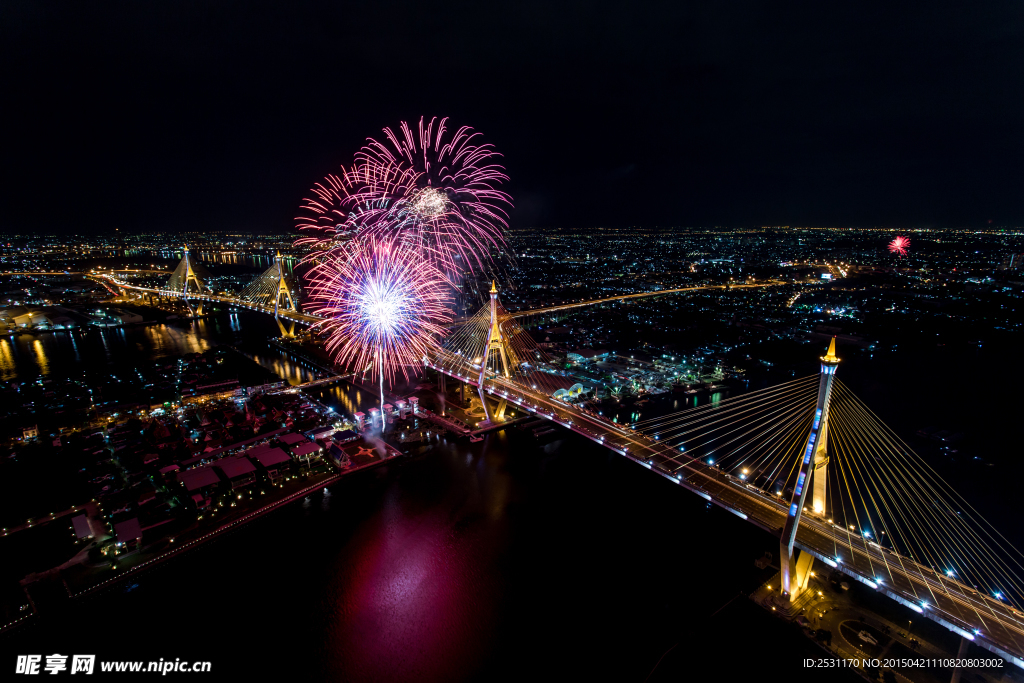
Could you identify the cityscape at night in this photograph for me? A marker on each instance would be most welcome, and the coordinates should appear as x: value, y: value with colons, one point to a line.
x: 627, y: 344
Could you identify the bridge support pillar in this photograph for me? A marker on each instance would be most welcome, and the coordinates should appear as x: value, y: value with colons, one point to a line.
x: 288, y: 331
x: 961, y: 653
x: 488, y: 413
x: 798, y: 568
x: 499, y: 412
x: 816, y: 443
x: 195, y: 308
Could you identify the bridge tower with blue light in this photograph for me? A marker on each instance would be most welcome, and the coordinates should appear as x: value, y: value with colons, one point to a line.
x: 813, y: 466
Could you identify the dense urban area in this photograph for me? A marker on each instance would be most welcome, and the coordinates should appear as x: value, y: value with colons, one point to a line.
x: 109, y: 469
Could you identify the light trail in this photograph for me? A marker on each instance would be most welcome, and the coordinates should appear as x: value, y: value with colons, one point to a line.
x: 639, y: 295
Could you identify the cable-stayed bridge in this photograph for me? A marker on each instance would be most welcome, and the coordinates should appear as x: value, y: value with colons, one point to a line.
x: 806, y: 461
x: 273, y: 291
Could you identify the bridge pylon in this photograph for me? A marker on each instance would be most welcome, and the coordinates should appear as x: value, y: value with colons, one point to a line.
x: 185, y: 274
x: 287, y: 331
x: 496, y: 343
x: 282, y: 287
x: 813, y: 464
x: 271, y: 288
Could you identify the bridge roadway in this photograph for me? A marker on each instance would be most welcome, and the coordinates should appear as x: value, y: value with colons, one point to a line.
x: 78, y: 272
x: 638, y: 295
x: 990, y: 623
x: 295, y: 316
x: 308, y: 319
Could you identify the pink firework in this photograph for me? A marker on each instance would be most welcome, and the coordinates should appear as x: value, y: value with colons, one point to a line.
x: 899, y: 246
x: 385, y: 307
x: 434, y: 190
x: 325, y: 224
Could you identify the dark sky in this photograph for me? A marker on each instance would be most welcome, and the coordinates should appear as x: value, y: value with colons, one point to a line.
x: 219, y: 115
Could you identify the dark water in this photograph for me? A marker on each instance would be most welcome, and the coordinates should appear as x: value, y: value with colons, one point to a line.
x: 489, y: 561
x: 501, y: 560
x: 24, y: 357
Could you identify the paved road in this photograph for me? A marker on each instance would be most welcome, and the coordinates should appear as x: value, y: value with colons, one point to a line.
x: 305, y: 318
x: 623, y: 297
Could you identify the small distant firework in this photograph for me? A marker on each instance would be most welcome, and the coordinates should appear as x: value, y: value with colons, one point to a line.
x: 899, y: 246
x: 384, y: 306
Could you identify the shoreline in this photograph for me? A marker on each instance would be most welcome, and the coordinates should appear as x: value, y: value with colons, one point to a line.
x: 197, y: 542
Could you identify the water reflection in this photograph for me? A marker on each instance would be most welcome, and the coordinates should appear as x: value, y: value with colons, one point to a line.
x: 283, y: 366
x: 408, y: 592
x: 68, y: 353
x: 7, y: 364
x: 344, y: 398
x: 74, y: 345
x: 40, y: 352
x: 662, y: 404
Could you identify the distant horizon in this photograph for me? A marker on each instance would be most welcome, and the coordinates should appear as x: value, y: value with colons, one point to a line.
x: 513, y: 229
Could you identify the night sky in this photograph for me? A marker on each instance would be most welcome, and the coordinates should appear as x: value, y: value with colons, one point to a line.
x: 219, y: 115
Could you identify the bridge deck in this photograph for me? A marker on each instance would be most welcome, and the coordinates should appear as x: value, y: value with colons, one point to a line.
x: 988, y: 622
x: 295, y: 316
x: 638, y: 295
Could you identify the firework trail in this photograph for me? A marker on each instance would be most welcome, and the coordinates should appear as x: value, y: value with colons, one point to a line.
x: 324, y: 224
x: 899, y: 246
x: 384, y: 306
x: 433, y: 190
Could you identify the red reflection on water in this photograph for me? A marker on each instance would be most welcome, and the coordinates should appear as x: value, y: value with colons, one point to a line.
x: 411, y: 598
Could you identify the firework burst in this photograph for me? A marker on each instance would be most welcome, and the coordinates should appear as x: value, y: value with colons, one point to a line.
x: 899, y: 246
x: 434, y: 190
x: 324, y: 222
x: 384, y: 306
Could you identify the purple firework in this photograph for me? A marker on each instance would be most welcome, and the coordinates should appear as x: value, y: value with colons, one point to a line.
x: 434, y: 190
x: 384, y: 307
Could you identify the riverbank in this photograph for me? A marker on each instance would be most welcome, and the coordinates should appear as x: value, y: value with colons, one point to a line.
x: 82, y: 579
